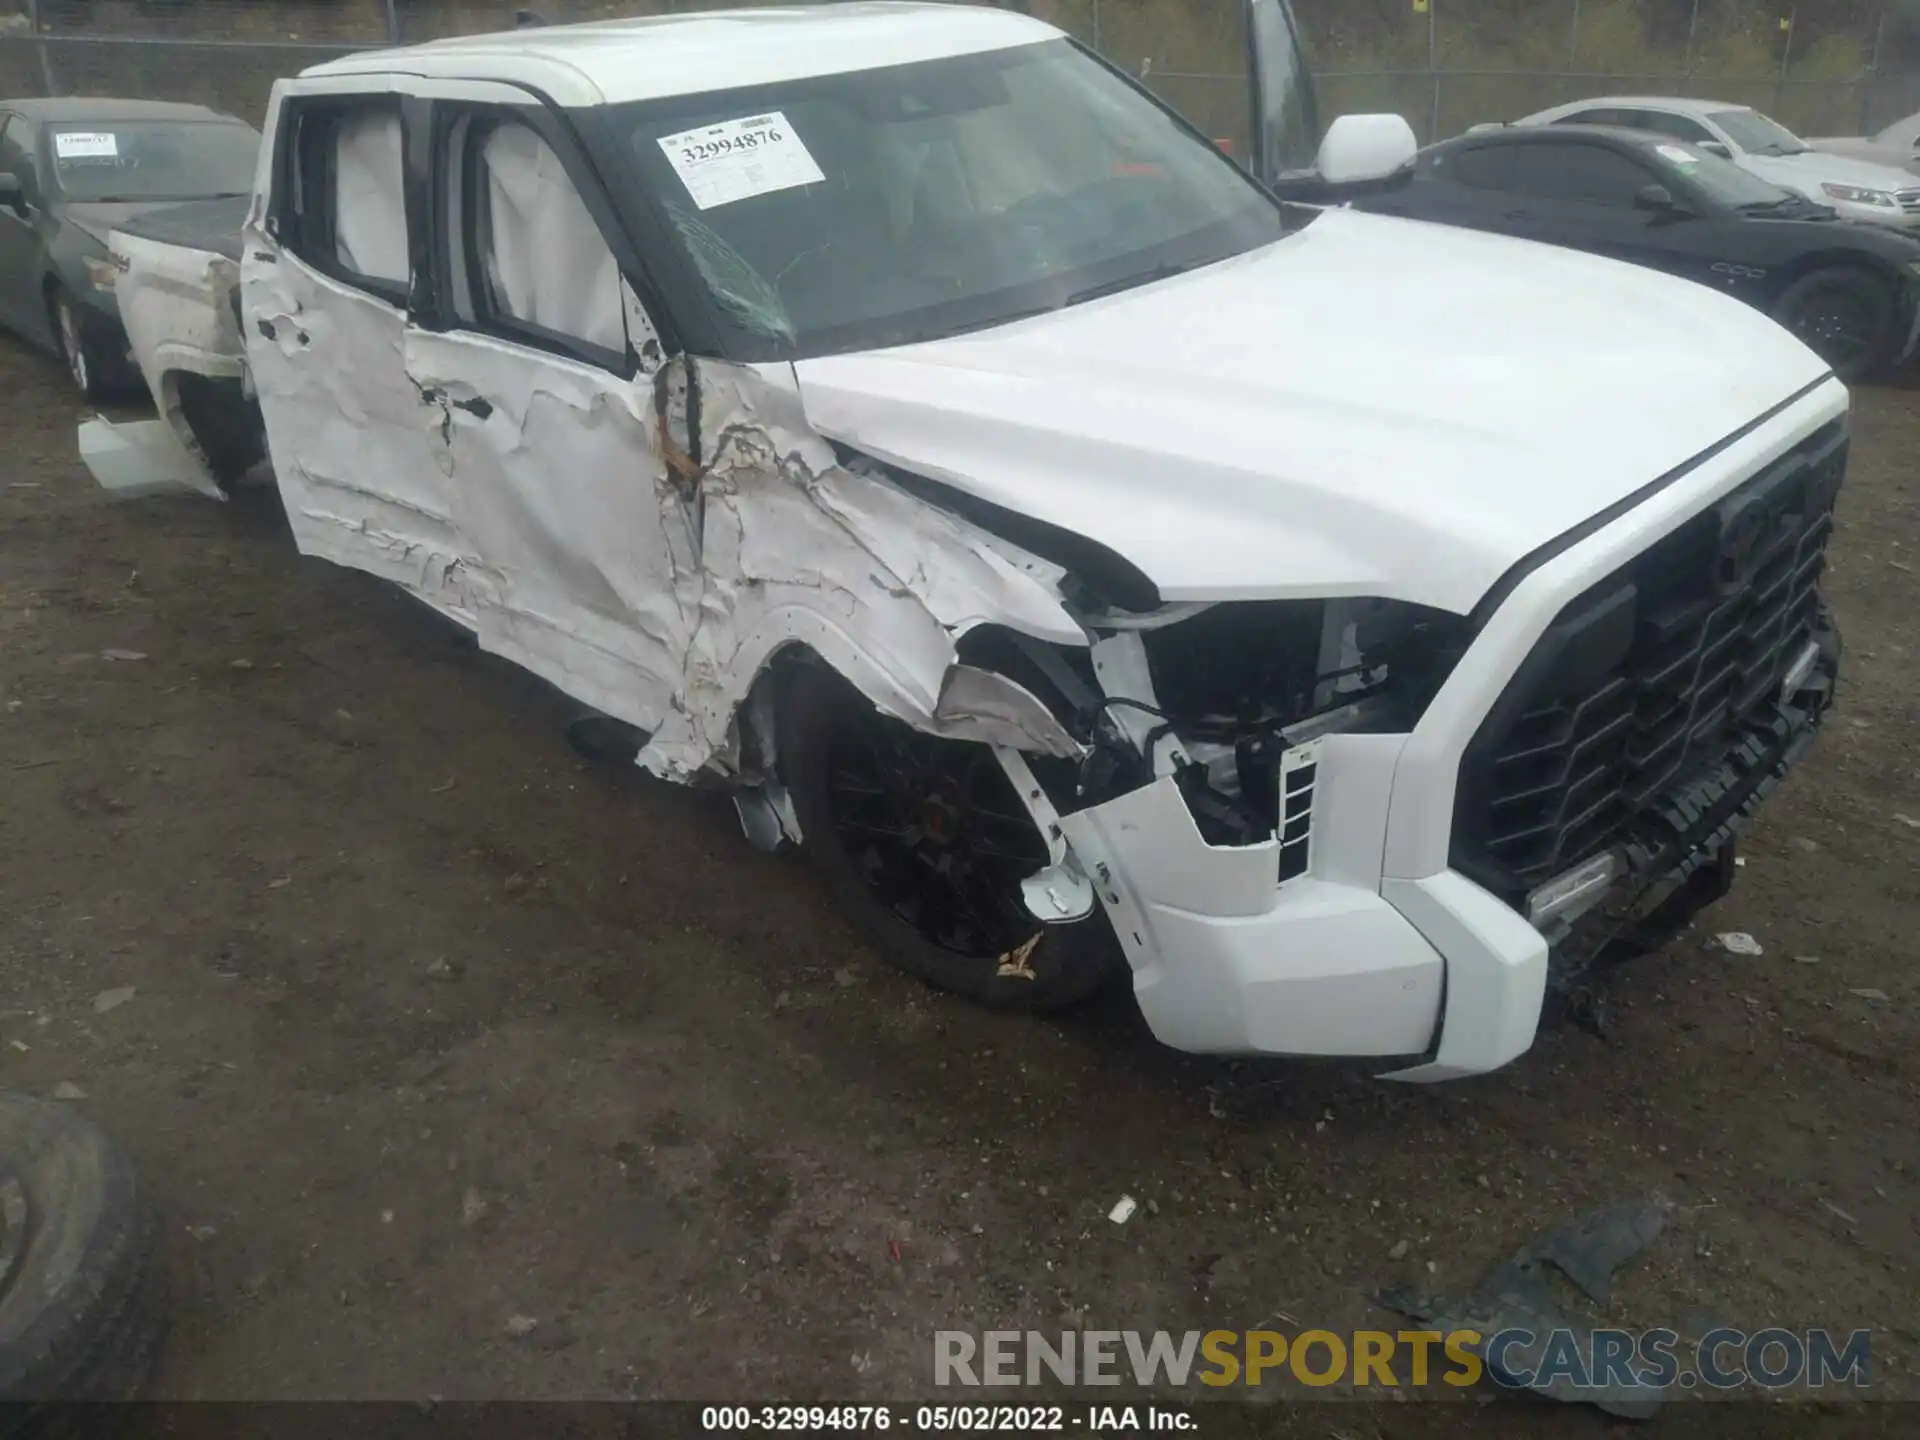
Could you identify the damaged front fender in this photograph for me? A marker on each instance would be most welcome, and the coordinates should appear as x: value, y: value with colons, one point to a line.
x: 797, y: 549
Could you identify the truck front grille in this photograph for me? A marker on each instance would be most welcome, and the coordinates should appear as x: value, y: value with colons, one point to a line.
x: 1652, y: 680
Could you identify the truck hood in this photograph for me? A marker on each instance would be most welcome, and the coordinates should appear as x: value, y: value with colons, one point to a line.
x: 1809, y: 170
x: 1370, y: 406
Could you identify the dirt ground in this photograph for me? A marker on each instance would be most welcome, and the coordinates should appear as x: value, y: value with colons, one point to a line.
x: 436, y: 1025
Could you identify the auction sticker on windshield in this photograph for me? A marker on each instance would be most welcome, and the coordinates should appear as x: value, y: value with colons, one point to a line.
x: 736, y: 158
x: 85, y: 145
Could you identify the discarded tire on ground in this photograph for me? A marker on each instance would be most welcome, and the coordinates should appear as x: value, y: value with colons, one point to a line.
x: 78, y: 1319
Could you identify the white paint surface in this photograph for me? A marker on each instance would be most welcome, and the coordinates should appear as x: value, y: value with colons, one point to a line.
x: 648, y: 57
x: 1370, y: 407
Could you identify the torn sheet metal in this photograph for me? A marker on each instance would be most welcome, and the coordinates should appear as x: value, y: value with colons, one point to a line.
x: 537, y: 499
x: 577, y: 564
x: 993, y: 710
x: 555, y: 508
x: 797, y: 549
x: 1516, y: 1296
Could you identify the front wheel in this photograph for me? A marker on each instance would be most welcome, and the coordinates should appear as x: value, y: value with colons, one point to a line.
x: 924, y: 843
x: 1846, y: 316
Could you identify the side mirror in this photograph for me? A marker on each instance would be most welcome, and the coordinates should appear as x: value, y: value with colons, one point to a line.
x: 12, y: 196
x: 1359, y: 148
x: 1657, y: 199
x: 1713, y: 147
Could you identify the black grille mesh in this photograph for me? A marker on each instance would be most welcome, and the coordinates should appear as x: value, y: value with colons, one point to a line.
x: 1651, y: 679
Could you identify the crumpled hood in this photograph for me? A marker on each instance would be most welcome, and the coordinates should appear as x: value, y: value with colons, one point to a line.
x: 1808, y: 171
x: 1371, y: 406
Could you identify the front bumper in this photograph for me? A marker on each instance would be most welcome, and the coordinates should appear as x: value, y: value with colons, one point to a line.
x: 1383, y: 950
x: 1886, y: 217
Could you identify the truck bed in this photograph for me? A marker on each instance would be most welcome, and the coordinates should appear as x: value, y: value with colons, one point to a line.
x: 210, y: 225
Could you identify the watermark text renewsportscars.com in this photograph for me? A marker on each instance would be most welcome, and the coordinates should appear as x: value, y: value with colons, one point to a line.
x: 1721, y: 1359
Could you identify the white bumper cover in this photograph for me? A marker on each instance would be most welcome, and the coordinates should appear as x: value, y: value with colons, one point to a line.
x: 1379, y: 950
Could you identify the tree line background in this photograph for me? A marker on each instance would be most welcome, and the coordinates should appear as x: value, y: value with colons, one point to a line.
x: 1826, y: 66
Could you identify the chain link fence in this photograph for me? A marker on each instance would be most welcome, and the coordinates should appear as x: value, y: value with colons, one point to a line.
x: 1443, y: 64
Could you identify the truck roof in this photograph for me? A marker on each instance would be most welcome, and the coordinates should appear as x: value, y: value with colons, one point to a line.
x: 648, y: 57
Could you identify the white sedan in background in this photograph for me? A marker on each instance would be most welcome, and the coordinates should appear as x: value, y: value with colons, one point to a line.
x: 1858, y: 189
x: 1897, y: 146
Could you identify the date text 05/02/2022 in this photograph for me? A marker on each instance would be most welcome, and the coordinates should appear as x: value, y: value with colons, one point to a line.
x: 945, y: 1419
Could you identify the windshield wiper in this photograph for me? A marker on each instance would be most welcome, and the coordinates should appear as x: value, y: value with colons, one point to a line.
x: 946, y: 332
x: 1133, y: 282
x: 1762, y: 207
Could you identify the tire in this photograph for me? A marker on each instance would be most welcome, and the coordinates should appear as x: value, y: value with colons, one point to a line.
x: 85, y: 366
x: 1845, y: 315
x: 78, y: 1319
x: 824, y: 725
x: 226, y: 426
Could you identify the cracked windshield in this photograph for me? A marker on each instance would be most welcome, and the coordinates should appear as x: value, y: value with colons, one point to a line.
x: 904, y: 204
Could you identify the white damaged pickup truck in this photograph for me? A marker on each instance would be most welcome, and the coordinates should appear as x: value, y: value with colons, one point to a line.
x: 1355, y: 631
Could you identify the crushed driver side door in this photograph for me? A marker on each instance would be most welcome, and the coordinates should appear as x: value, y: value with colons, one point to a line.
x: 534, y: 362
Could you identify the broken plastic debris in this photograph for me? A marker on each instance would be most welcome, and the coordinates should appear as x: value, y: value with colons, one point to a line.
x: 1123, y: 1210
x: 1907, y: 820
x: 281, y: 883
x: 123, y: 654
x: 67, y: 1090
x: 138, y: 458
x: 1870, y: 993
x: 112, y: 999
x: 1738, y: 942
x: 1399, y: 1250
x: 1516, y: 1295
x: 521, y: 1324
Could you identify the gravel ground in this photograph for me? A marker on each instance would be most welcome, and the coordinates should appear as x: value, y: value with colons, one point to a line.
x: 437, y: 1030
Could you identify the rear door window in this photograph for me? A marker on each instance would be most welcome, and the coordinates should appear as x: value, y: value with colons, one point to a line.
x: 1596, y: 117
x: 1484, y: 167
x: 1680, y: 127
x: 341, y: 202
x: 1588, y: 174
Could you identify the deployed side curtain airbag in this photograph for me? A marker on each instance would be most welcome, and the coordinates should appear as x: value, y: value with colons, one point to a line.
x: 369, y: 203
x: 547, y: 262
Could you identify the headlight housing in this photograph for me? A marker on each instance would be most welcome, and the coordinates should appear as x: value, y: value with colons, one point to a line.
x: 1856, y: 195
x: 101, y: 272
